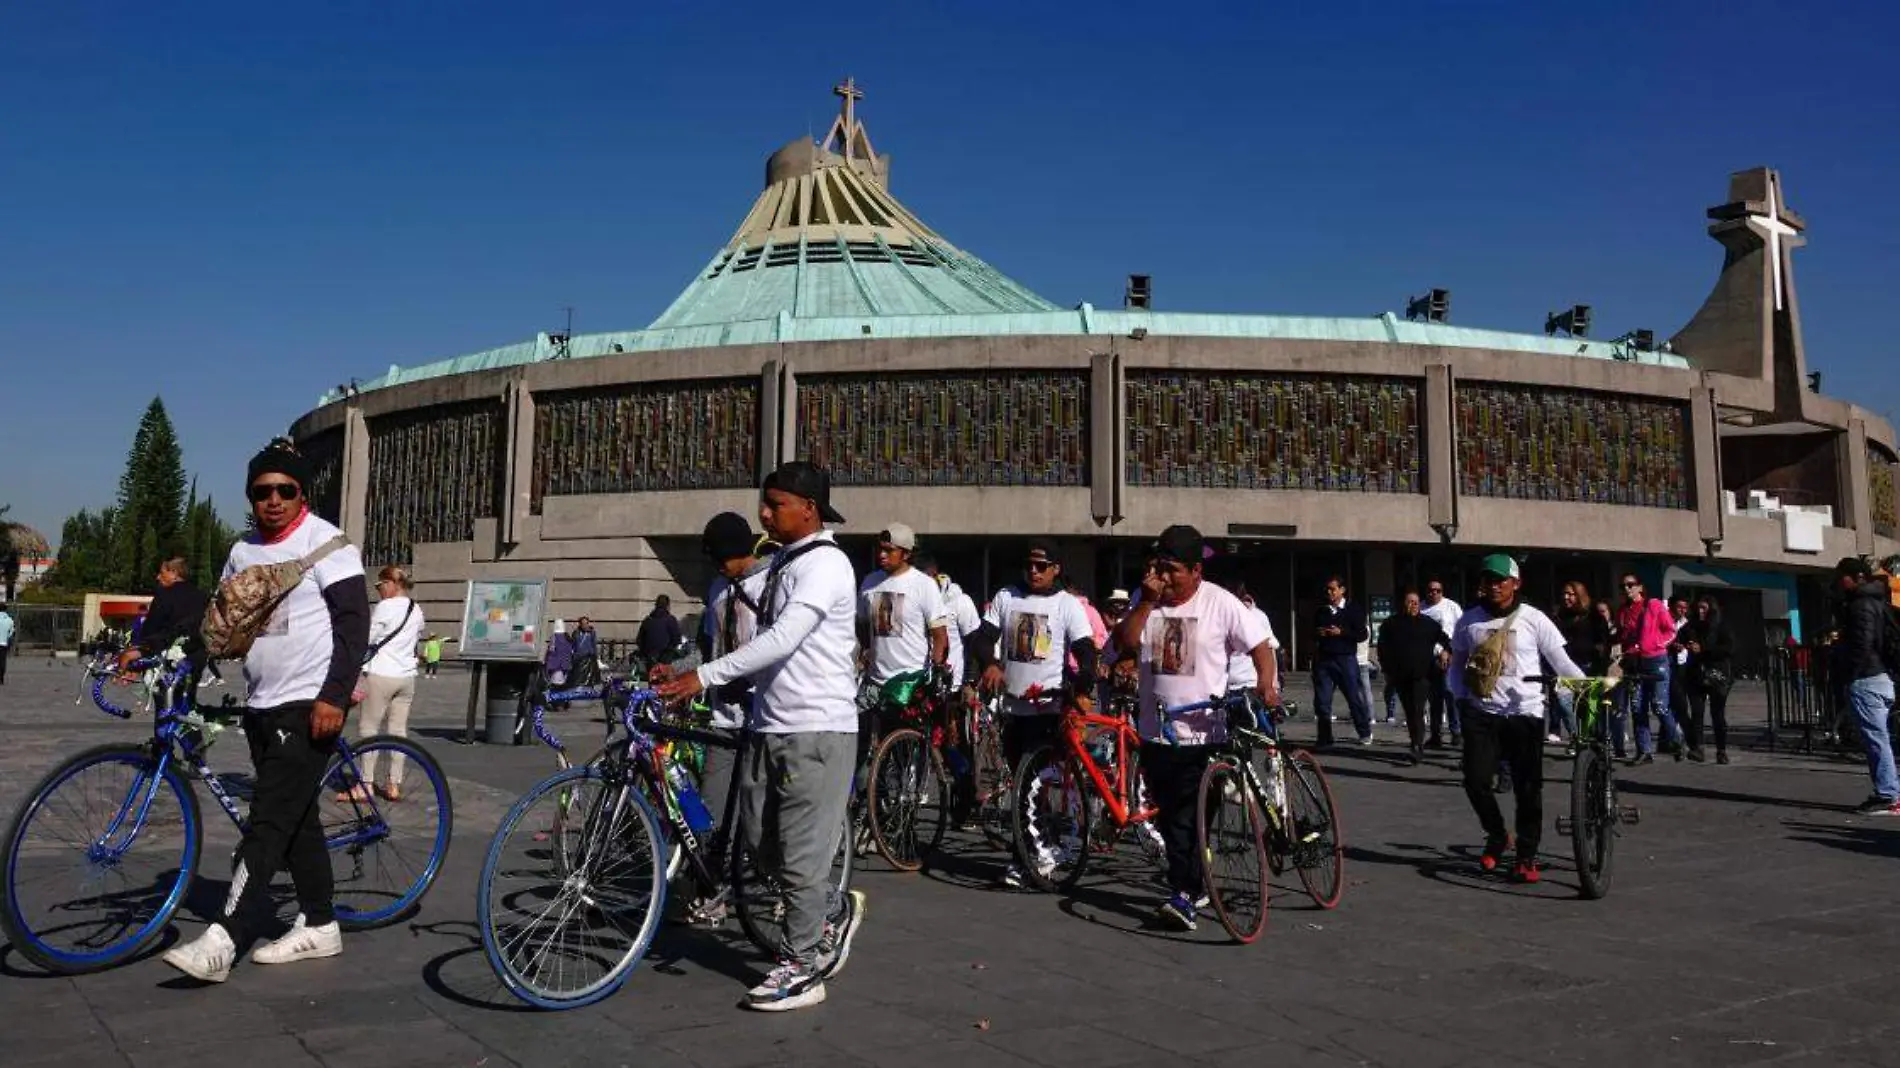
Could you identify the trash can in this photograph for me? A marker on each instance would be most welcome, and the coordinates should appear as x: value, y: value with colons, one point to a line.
x: 505, y: 724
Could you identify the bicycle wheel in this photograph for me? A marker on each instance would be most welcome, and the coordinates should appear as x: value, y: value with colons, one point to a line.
x: 1318, y: 847
x: 566, y: 917
x: 995, y: 784
x: 384, y: 854
x: 759, y: 898
x: 1233, y: 855
x: 1593, y: 821
x: 1052, y: 816
x: 909, y: 801
x: 98, y: 857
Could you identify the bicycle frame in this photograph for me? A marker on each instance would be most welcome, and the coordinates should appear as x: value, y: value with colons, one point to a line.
x: 1118, y: 795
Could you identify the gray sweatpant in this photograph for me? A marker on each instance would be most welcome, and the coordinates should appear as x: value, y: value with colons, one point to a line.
x: 793, y: 792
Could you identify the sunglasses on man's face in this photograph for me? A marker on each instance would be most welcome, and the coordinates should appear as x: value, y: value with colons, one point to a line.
x: 1039, y: 566
x: 283, y: 491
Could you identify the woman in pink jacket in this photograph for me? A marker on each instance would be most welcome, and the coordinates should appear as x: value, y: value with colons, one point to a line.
x: 1646, y: 630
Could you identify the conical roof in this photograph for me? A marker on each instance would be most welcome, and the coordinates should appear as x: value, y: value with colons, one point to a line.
x: 827, y: 239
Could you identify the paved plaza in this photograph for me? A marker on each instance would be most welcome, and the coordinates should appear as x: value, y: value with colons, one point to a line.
x: 1751, y: 922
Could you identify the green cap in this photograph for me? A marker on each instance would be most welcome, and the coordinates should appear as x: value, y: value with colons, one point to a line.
x: 1499, y: 564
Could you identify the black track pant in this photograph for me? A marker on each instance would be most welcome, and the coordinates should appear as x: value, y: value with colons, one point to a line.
x: 1173, y: 773
x: 285, y: 831
x: 1415, y: 697
x: 1519, y: 742
x: 1715, y: 705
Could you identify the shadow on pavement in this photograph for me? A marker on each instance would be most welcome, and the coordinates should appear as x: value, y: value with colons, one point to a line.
x: 1458, y: 866
x: 1641, y: 787
x: 1870, y: 841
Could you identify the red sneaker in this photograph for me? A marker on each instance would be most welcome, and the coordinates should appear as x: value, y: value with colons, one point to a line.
x: 1526, y: 871
x: 1494, y: 852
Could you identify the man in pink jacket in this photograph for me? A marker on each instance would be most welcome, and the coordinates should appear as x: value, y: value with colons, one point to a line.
x: 1647, y: 629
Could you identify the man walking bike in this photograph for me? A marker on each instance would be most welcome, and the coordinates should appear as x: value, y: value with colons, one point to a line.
x: 795, y: 782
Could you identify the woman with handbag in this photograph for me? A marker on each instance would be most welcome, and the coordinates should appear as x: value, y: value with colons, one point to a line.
x: 388, y: 685
x: 1710, y: 675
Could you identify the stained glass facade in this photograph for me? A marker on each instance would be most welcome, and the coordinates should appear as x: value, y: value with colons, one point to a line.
x: 325, y: 453
x: 658, y: 436
x: 1541, y: 444
x: 1018, y: 428
x: 1273, y: 431
x: 1883, y: 502
x: 432, y: 473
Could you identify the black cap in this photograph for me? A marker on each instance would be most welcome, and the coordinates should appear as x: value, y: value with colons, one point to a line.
x: 280, y: 457
x: 1047, y: 548
x: 803, y: 479
x: 728, y: 536
x: 1180, y: 543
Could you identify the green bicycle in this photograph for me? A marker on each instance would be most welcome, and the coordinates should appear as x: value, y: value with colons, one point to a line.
x: 1595, y: 815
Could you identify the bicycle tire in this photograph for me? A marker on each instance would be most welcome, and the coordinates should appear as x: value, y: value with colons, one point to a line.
x: 1228, y: 824
x: 1593, y: 821
x: 995, y: 786
x: 630, y: 824
x: 352, y: 829
x: 1319, y: 849
x: 1077, y: 812
x: 906, y: 788
x: 145, y: 922
x: 759, y: 900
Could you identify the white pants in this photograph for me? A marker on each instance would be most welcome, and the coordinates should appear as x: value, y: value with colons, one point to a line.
x: 385, y: 710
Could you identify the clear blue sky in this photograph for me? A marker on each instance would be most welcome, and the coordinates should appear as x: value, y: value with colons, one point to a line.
x: 240, y: 205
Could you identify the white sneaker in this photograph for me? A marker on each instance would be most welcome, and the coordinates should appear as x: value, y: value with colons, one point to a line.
x: 207, y: 958
x: 1553, y: 739
x: 788, y: 986
x: 301, y: 943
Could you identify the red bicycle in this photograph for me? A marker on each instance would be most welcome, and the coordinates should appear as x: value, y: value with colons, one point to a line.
x: 1080, y: 795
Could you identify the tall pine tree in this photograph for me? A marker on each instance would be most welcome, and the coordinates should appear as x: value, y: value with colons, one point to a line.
x: 151, y: 501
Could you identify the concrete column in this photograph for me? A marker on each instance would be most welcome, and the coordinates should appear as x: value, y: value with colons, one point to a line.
x: 355, y: 510
x: 769, y: 417
x: 518, y: 451
x: 788, y: 413
x: 1706, y: 463
x: 1441, y: 456
x: 1856, y: 496
x: 1107, y: 437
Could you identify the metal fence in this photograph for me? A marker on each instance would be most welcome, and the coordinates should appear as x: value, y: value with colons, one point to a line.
x: 1801, y: 700
x: 46, y: 626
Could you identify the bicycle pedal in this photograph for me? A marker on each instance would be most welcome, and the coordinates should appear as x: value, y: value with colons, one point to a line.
x: 1629, y: 814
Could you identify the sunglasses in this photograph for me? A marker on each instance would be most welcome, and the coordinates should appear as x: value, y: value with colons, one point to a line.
x: 283, y: 491
x: 1039, y: 566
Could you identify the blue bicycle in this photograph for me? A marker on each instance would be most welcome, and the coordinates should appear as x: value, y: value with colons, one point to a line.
x: 101, y: 852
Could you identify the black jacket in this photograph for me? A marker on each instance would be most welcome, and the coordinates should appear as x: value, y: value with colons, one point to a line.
x: 659, y: 633
x: 1351, y: 620
x: 1718, y: 645
x: 177, y: 611
x: 1861, y: 617
x: 1409, y: 645
x: 1587, y: 640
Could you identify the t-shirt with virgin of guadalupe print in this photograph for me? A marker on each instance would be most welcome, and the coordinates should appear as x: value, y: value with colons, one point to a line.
x: 1035, y: 631
x: 901, y: 611
x: 1185, y: 652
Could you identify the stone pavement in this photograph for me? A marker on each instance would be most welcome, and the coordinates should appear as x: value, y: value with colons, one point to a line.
x: 1750, y: 923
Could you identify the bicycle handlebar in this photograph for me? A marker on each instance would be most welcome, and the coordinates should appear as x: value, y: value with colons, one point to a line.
x: 1226, y: 702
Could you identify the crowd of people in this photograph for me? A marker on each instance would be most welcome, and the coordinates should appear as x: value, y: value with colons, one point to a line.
x: 795, y: 652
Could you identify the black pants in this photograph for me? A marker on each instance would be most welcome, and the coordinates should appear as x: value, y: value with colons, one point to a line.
x: 284, y: 831
x: 1173, y: 773
x: 1414, y: 695
x: 3, y: 664
x: 1443, y: 706
x: 1716, y: 705
x: 1517, y: 741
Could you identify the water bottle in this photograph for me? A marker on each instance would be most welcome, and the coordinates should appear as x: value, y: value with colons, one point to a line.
x: 691, y: 807
x: 1102, y: 749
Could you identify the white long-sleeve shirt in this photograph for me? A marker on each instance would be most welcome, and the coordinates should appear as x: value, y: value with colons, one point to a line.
x: 804, y: 666
x: 1534, y: 641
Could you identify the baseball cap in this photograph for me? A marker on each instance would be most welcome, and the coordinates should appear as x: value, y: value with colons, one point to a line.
x: 1180, y: 543
x: 1118, y: 596
x: 801, y: 478
x: 899, y: 535
x: 728, y: 536
x: 1046, y: 549
x: 1499, y: 564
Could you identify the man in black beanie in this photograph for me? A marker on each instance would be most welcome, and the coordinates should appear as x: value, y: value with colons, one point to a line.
x: 298, y: 676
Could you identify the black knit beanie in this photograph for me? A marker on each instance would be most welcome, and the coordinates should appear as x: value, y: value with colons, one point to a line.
x: 280, y: 458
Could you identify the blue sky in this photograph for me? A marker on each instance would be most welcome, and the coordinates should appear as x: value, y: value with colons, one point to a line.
x: 239, y: 205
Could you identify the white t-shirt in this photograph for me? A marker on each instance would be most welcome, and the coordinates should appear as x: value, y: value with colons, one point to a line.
x: 1446, y: 614
x: 745, y: 624
x: 290, y: 660
x: 1534, y: 642
x: 1185, y: 652
x: 1240, y: 672
x: 1035, y: 632
x: 964, y: 621
x: 397, y: 658
x: 808, y: 684
x: 901, y: 611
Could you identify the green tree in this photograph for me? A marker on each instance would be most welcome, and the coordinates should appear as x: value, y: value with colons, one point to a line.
x: 151, y: 502
x: 85, y: 552
x: 206, y: 540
